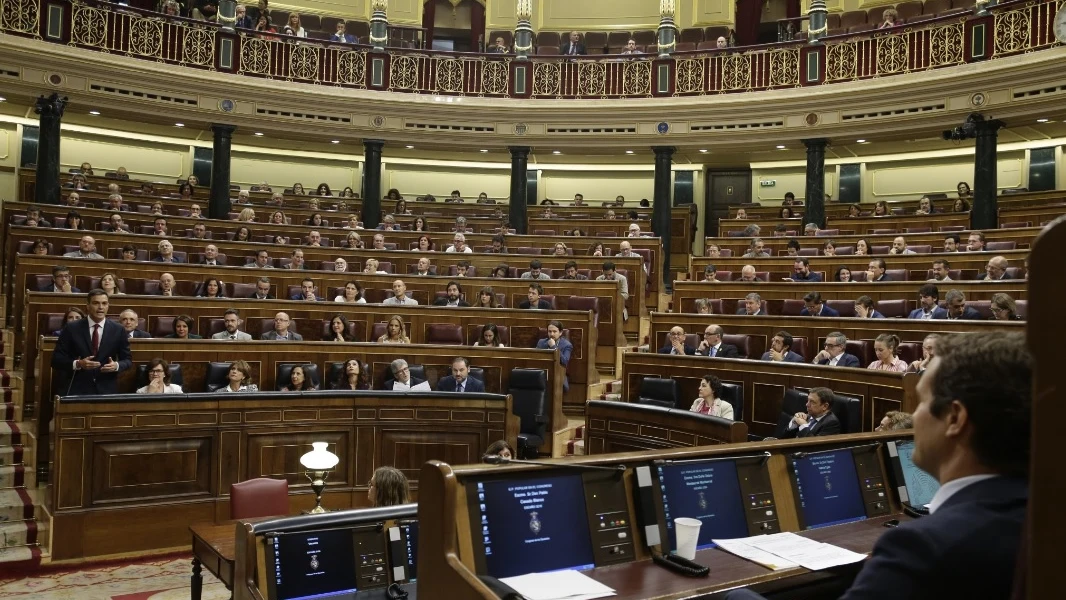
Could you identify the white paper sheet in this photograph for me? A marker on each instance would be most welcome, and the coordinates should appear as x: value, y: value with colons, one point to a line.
x: 558, y: 585
x: 755, y: 555
x: 803, y: 551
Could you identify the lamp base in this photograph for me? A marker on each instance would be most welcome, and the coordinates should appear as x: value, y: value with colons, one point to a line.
x: 318, y: 484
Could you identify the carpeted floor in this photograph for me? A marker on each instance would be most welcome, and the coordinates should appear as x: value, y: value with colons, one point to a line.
x: 145, y: 579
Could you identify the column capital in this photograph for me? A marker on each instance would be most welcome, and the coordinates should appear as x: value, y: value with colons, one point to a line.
x: 374, y: 144
x: 519, y: 150
x: 815, y: 143
x: 51, y: 106
x: 661, y: 150
x: 223, y: 128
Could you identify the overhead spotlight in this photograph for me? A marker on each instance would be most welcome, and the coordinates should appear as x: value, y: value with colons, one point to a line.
x: 780, y: 147
x: 2, y: 99
x: 179, y: 124
x: 1041, y: 120
x: 258, y: 134
x: 410, y: 147
x: 860, y: 141
x: 483, y: 151
x: 629, y: 152
x: 334, y: 141
x: 556, y: 152
x: 94, y: 113
x: 702, y: 151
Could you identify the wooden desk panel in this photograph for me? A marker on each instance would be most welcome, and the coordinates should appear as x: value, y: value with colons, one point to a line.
x: 1023, y: 236
x: 686, y: 292
x: 627, y: 427
x: 857, y: 225
x: 771, y: 209
x: 609, y: 330
x: 765, y: 383
x: 1036, y: 216
x: 154, y: 459
x: 264, y: 357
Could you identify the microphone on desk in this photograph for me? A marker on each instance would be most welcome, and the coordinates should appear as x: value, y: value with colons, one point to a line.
x: 495, y: 459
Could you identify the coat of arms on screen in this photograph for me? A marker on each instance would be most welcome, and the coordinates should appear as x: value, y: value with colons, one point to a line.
x: 534, y: 523
x: 828, y: 484
x: 314, y: 562
x: 703, y: 502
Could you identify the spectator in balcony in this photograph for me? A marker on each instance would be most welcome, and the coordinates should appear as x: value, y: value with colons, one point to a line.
x: 353, y: 294
x: 206, y: 11
x: 864, y: 308
x: 294, y: 28
x: 631, y: 47
x: 456, y: 197
x: 889, y: 18
x: 709, y: 401
x: 170, y: 8
x: 843, y: 275
x: 574, y: 47
x: 243, y: 21
x: 183, y: 329
x: 885, y: 348
x: 720, y: 43
x: 159, y: 379
x: 500, y: 47
x: 352, y: 377
x: 342, y: 35
x: 1004, y: 308
x: 264, y: 27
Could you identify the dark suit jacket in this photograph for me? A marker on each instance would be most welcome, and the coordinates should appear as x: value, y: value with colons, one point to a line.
x: 254, y: 297
x: 744, y: 311
x: 829, y: 424
x: 977, y: 531
x: 790, y: 356
x: 846, y: 360
x: 444, y: 302
x: 137, y: 333
x: 581, y: 50
x: 541, y: 304
x: 176, y: 259
x: 668, y: 349
x: 74, y: 343
x: 725, y: 351
x: 826, y: 312
x: 938, y: 313
x: 52, y: 288
x: 565, y: 349
x: 969, y: 313
x: 447, y: 384
x: 301, y: 298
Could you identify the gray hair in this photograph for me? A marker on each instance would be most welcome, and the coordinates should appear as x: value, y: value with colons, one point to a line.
x: 810, y: 227
x: 753, y: 296
x: 838, y: 337
x: 954, y: 295
x: 751, y: 230
x: 396, y: 365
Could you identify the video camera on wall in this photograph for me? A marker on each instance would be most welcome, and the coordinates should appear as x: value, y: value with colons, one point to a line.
x: 967, y: 130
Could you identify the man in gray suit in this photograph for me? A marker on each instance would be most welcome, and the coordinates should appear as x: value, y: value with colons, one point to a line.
x: 610, y: 274
x: 281, y: 331
x: 232, y: 320
x: 86, y: 249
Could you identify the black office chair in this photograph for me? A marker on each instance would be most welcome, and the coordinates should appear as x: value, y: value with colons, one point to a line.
x: 795, y: 401
x: 734, y: 394
x: 285, y: 374
x: 217, y: 376
x: 659, y: 392
x: 175, y: 375
x: 849, y: 412
x: 529, y: 391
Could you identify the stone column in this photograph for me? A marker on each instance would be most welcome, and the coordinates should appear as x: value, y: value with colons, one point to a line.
x: 818, y: 25
x: 667, y: 29
x: 660, y: 220
x: 516, y: 211
x: 984, y: 212
x: 219, y: 205
x: 523, y: 32
x: 227, y: 14
x: 51, y: 111
x: 372, y: 183
x: 379, y: 25
x: 814, y: 209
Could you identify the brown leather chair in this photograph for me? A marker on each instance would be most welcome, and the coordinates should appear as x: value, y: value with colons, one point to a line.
x: 826, y: 232
x: 1016, y: 224
x: 1001, y: 246
x: 748, y: 346
x: 446, y: 334
x: 241, y: 290
x: 799, y: 346
x: 909, y: 351
x: 895, y: 308
x: 863, y: 350
x: 883, y: 231
x: 163, y: 326
x: 413, y: 267
x: 846, y: 308
x: 585, y: 303
x: 950, y: 228
x: 259, y: 497
x: 922, y: 248
x: 473, y: 333
x: 917, y: 229
x: 896, y: 274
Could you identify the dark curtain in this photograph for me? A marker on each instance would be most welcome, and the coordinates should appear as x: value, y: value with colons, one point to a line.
x: 429, y: 13
x: 477, y: 25
x: 748, y: 14
x: 792, y: 9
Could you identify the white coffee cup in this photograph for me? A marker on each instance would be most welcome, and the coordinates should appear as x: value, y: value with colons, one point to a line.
x: 687, y: 532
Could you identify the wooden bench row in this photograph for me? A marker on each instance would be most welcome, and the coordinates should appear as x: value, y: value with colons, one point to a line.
x: 1022, y: 238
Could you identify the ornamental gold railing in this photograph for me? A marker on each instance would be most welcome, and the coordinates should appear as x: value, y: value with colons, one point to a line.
x: 1012, y: 28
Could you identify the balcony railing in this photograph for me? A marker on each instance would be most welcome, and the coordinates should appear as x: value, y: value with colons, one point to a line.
x: 1010, y: 29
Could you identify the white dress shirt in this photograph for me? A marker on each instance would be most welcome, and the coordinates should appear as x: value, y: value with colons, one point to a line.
x: 953, y: 487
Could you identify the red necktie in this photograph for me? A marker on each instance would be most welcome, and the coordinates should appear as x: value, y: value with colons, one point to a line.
x: 96, y: 339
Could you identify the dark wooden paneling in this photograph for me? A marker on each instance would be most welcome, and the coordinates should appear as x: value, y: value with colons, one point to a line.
x: 150, y: 468
x: 625, y: 427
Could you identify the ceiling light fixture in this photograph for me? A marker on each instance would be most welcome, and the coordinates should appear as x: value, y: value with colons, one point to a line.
x: 556, y: 152
x: 94, y: 113
x: 860, y: 141
x: 334, y: 141
x: 483, y: 151
x: 2, y: 99
x: 779, y: 147
x: 410, y: 147
x: 258, y: 134
x: 702, y: 151
x: 629, y: 152
x: 179, y: 124
x: 1041, y: 120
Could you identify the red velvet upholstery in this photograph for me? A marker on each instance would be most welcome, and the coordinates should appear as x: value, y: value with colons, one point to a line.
x: 444, y: 333
x: 260, y: 497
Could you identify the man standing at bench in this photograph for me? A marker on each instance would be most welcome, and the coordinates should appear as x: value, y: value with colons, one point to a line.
x: 92, y: 351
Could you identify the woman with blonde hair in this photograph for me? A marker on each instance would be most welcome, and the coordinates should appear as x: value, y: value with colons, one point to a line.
x: 395, y: 332
x: 246, y: 216
x: 293, y: 27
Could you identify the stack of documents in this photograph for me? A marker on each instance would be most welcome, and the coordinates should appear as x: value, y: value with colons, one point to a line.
x: 558, y: 585
x: 788, y: 550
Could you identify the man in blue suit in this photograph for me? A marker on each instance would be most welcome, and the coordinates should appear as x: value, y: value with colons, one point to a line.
x: 834, y: 355
x: 781, y: 349
x: 91, y: 352
x: 971, y: 433
x: 814, y: 307
x: 460, y: 380
x: 957, y: 308
x: 928, y: 302
x: 556, y: 341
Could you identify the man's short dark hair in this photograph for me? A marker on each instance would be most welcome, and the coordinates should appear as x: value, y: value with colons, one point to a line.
x: 980, y: 235
x: 793, y: 243
x: 608, y: 265
x: 56, y: 270
x: 232, y: 311
x: 462, y: 360
x: 710, y: 269
x: 129, y: 248
x: 942, y: 261
x: 928, y: 289
x: 534, y: 264
x: 991, y: 375
x: 953, y: 236
x: 456, y: 284
x: 570, y: 263
x: 880, y: 262
x: 803, y: 259
x: 813, y: 298
x: 824, y: 394
x: 263, y: 280
x: 790, y: 195
x: 786, y: 338
x: 536, y: 286
x: 307, y: 279
x: 94, y: 293
x: 499, y: 238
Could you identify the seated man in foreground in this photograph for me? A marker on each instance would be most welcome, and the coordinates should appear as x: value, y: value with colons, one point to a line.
x: 971, y: 432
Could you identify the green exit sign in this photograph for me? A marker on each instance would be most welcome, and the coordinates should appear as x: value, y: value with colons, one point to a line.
x: 767, y: 182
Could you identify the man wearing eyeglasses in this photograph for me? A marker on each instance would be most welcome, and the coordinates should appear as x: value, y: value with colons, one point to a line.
x: 675, y: 343
x: 833, y: 354
x: 995, y: 270
x: 712, y: 345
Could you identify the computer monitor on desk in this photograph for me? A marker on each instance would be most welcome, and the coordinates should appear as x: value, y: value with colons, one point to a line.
x: 312, y: 564
x: 561, y: 519
x: 915, y: 487
x: 837, y: 486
